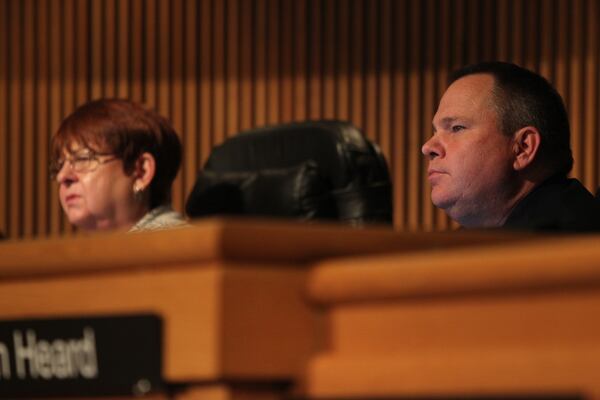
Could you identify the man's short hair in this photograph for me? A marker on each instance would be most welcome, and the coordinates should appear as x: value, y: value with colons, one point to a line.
x: 523, y: 98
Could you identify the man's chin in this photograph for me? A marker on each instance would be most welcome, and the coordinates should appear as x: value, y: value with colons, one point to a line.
x: 441, y: 201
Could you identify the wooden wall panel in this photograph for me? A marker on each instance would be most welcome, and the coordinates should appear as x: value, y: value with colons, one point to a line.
x: 4, y: 38
x: 43, y: 185
x: 14, y: 119
x: 216, y: 67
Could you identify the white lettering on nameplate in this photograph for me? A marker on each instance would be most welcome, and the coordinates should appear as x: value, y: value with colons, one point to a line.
x: 37, y: 358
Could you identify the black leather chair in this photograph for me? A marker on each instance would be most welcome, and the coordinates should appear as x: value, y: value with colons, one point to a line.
x: 306, y: 170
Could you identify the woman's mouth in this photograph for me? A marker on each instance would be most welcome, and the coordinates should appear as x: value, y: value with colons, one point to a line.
x: 71, y: 198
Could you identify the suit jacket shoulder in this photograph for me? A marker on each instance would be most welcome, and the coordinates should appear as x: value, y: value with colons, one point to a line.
x: 559, y: 204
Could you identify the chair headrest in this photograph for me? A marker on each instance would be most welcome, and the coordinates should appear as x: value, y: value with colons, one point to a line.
x: 297, y: 192
x: 341, y: 151
x: 307, y: 170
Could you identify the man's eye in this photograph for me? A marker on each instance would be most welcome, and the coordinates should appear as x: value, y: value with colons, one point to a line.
x: 457, y: 128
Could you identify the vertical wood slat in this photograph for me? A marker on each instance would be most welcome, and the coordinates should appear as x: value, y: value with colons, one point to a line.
x: 123, y: 40
x: 82, y: 67
x: 398, y: 160
x: 384, y: 83
x: 219, y: 71
x: 206, y: 103
x: 414, y: 126
x: 531, y: 55
x: 259, y: 64
x: 176, y: 87
x: 136, y: 49
x: 315, y: 33
x: 590, y: 172
x: 232, y: 113
x: 273, y: 57
x: 163, y: 62
x: 370, y: 83
x: 459, y: 33
x: 357, y: 54
x: 517, y: 51
x: 471, y: 29
x: 596, y: 89
x: 504, y: 24
x: 547, y: 43
x: 109, y: 48
x: 14, y: 117
x: 575, y: 85
x: 68, y: 45
x: 328, y: 96
x: 561, y: 38
x: 4, y: 129
x: 43, y: 183
x: 246, y: 63
x: 286, y: 62
x: 54, y: 107
x: 96, y: 45
x: 150, y: 46
x: 190, y: 128
x: 300, y: 66
x: 488, y: 44
x: 29, y: 166
x: 218, y: 67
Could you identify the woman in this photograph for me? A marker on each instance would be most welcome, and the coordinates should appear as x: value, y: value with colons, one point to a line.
x: 115, y: 163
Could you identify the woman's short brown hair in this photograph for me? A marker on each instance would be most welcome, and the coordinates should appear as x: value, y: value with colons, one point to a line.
x: 127, y: 130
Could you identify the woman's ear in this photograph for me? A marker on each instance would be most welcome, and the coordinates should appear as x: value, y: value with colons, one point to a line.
x: 526, y: 144
x: 145, y: 169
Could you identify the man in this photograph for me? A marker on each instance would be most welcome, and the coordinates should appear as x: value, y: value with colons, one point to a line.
x: 500, y: 154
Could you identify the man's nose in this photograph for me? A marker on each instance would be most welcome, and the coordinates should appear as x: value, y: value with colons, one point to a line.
x: 432, y: 148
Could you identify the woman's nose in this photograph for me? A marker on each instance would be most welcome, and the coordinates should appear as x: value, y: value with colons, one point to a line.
x: 66, y: 174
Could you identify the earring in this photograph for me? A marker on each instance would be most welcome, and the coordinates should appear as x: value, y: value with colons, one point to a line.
x: 138, y: 193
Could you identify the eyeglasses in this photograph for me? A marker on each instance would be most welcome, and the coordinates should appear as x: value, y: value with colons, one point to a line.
x: 85, y: 162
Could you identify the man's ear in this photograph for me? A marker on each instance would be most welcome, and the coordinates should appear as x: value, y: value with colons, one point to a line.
x: 526, y: 144
x: 145, y: 169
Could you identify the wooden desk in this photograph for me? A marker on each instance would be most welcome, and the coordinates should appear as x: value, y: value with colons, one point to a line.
x: 518, y: 319
x: 232, y: 294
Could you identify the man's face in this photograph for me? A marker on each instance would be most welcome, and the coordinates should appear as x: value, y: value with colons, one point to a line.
x: 470, y: 159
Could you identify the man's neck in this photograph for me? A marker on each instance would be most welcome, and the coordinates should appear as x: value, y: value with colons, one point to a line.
x: 497, y: 210
x: 526, y: 188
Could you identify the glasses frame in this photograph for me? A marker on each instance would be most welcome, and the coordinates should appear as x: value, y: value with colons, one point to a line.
x: 91, y: 157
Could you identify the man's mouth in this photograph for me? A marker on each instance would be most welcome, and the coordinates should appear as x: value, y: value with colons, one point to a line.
x: 433, y: 176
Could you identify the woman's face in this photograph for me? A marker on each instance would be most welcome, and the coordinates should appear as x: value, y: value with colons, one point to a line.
x: 95, y: 192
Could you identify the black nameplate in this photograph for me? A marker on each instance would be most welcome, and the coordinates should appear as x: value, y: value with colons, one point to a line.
x: 101, y: 356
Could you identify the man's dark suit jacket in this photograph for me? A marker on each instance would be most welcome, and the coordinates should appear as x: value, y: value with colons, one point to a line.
x: 558, y: 204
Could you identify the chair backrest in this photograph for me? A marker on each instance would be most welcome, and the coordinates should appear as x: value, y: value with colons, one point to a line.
x: 308, y: 170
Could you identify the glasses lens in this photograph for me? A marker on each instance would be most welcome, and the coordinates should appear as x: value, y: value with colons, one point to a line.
x: 84, y: 163
x: 79, y: 163
x: 55, y: 167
